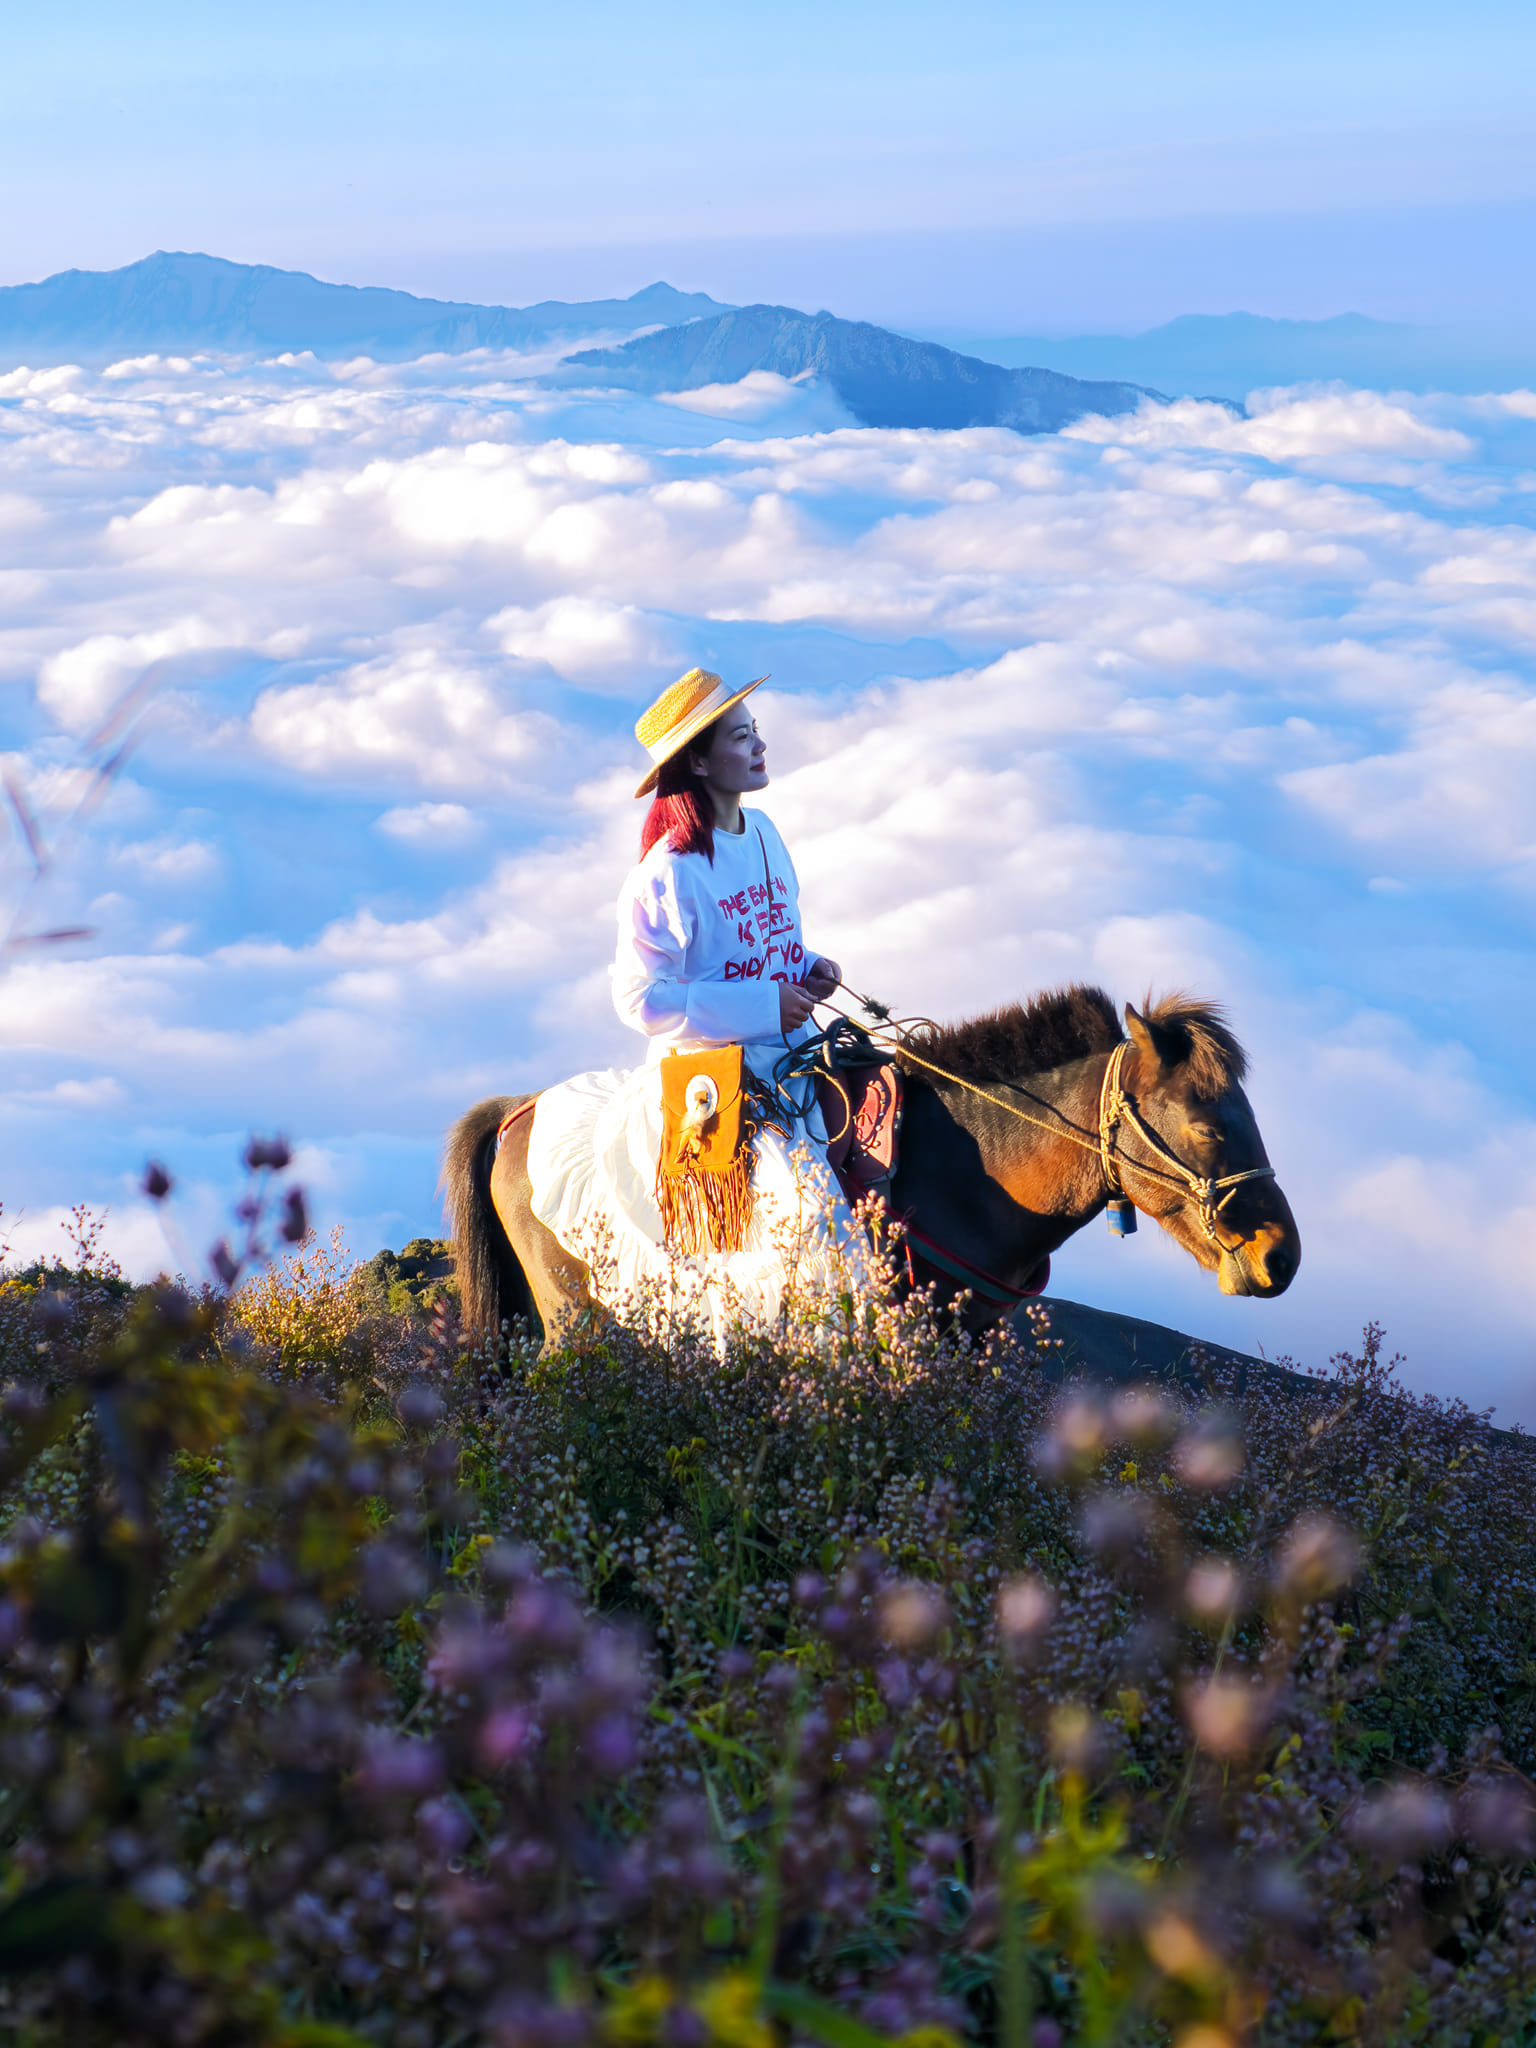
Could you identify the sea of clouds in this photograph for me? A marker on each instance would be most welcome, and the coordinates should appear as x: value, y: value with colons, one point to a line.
x: 1184, y: 699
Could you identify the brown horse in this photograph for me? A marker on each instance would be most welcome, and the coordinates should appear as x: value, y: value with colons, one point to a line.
x: 1002, y: 1159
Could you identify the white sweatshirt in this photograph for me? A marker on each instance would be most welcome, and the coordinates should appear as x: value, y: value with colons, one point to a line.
x: 703, y: 946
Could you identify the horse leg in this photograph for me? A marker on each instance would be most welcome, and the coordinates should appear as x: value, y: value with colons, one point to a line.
x: 561, y: 1286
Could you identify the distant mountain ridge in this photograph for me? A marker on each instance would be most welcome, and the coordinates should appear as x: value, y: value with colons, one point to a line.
x: 178, y: 304
x: 884, y: 379
x: 181, y: 304
x: 1227, y: 355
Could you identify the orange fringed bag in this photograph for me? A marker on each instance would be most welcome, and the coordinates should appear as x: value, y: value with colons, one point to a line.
x: 704, y: 1174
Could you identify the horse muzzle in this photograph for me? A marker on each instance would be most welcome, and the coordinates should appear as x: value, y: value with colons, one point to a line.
x: 1262, y: 1265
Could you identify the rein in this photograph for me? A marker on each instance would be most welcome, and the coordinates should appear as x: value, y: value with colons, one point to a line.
x: 990, y: 1286
x: 1211, y: 1195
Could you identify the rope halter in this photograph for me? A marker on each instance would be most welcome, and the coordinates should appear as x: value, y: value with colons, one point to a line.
x: 1211, y: 1196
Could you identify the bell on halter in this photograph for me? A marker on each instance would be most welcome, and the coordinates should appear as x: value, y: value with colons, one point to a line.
x: 1122, y: 1217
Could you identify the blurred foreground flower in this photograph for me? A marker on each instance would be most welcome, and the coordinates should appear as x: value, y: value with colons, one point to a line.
x: 1074, y: 1444
x: 1499, y: 1819
x: 1319, y: 1557
x: 1210, y: 1456
x: 267, y: 1154
x: 1226, y: 1714
x: 1025, y: 1607
x: 1403, y: 1822
x: 1143, y: 1417
x: 912, y: 1614
x: 1077, y: 1739
x: 1213, y: 1591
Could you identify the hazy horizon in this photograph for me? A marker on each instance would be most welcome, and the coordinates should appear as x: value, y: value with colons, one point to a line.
x: 1126, y: 278
x: 1077, y: 171
x: 84, y: 316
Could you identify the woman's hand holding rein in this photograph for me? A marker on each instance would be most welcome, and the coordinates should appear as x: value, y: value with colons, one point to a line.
x: 795, y: 1004
x: 822, y: 977
x: 797, y: 999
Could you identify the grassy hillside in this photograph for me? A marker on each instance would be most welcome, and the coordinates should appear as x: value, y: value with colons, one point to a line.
x: 860, y: 1686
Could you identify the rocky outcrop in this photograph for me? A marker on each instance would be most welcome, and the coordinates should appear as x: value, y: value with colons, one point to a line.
x: 409, y: 1282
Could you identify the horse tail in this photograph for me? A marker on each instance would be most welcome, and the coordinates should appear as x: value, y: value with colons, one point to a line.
x: 493, y: 1288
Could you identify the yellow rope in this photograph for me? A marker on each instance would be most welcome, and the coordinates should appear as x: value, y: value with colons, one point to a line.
x: 903, y: 1045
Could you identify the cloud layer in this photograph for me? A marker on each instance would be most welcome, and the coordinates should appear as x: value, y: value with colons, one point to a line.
x: 1183, y: 698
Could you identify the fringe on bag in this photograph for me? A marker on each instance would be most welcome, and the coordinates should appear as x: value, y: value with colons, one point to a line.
x: 704, y: 1175
x: 704, y: 1211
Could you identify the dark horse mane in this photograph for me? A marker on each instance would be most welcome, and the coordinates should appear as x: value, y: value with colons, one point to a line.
x: 1066, y: 1024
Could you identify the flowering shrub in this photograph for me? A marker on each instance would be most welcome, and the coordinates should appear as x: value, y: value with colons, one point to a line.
x: 873, y: 1690
x: 303, y: 1308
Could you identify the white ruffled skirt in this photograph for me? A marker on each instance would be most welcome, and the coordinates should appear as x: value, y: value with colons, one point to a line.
x: 592, y: 1157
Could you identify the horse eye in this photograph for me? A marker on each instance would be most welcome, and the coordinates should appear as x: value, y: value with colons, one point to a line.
x: 1203, y: 1134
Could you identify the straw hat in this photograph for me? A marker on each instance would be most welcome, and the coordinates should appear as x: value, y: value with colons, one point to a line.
x: 681, y: 713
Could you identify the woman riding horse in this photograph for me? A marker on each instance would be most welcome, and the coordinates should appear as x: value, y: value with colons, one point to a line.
x: 700, y: 1177
x: 712, y: 967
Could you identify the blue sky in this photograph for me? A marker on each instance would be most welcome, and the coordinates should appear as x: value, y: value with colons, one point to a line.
x: 995, y: 166
x: 1185, y: 698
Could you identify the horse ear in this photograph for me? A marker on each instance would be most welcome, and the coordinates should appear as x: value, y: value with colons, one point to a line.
x: 1151, y: 1056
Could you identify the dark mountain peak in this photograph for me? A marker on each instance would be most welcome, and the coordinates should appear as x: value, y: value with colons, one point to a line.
x: 884, y: 379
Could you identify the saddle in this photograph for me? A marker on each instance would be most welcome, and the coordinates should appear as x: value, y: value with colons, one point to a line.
x: 860, y: 1093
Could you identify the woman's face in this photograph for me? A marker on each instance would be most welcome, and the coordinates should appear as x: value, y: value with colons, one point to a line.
x: 738, y: 758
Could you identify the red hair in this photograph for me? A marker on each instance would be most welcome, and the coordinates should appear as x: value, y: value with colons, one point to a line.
x: 682, y: 811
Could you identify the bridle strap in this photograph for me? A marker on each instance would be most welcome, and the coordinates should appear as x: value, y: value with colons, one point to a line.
x: 1112, y: 1106
x: 1116, y: 1107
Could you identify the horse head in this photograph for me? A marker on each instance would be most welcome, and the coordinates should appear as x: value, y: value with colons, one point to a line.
x: 1190, y: 1128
